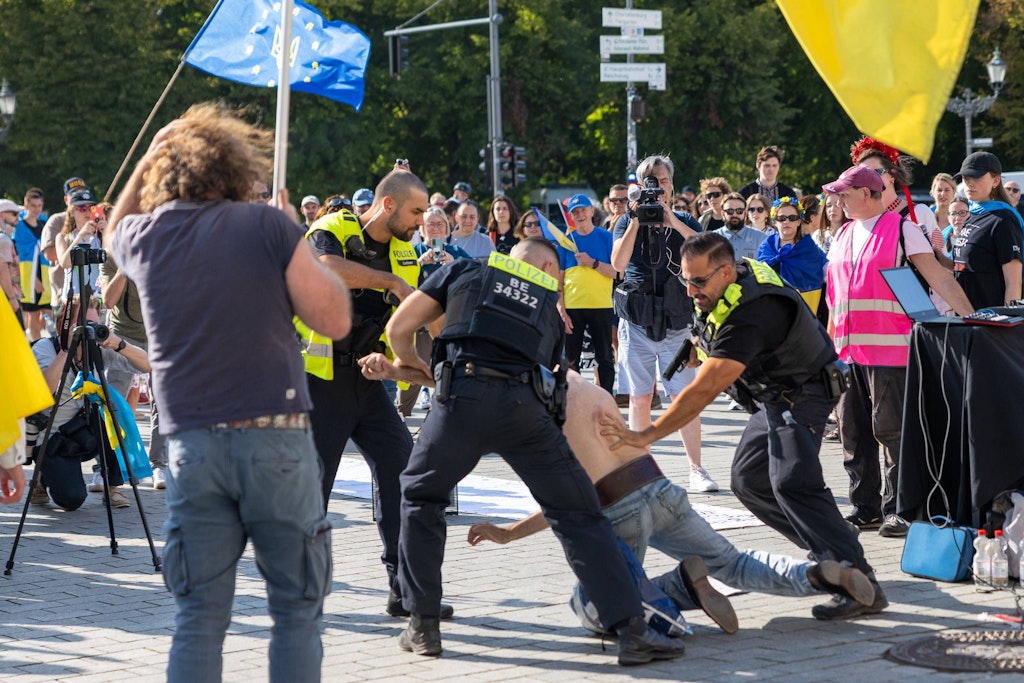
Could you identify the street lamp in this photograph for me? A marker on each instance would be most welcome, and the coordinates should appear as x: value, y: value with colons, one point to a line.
x: 967, y: 106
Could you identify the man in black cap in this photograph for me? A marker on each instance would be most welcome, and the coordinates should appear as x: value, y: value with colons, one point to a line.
x: 461, y: 191
x: 48, y: 240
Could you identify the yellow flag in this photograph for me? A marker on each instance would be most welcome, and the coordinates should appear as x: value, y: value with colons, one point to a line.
x: 22, y: 387
x: 891, y: 65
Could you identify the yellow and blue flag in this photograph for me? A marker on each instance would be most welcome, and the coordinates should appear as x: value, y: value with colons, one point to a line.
x: 23, y: 390
x: 241, y: 41
x: 552, y: 233
x: 891, y: 65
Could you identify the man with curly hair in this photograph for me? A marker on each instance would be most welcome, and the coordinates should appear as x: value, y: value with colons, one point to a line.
x: 229, y: 379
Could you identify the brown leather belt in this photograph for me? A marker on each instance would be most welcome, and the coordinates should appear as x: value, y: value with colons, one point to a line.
x: 619, y: 483
x: 279, y: 421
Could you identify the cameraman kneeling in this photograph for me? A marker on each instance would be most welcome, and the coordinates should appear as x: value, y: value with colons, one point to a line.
x: 73, y: 439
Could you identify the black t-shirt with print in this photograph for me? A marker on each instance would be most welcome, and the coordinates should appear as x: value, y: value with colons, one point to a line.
x: 986, y: 242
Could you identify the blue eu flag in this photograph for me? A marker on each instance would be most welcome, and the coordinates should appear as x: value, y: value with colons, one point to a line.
x: 241, y: 42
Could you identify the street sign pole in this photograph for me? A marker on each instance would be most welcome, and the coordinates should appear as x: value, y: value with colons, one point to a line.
x: 631, y: 153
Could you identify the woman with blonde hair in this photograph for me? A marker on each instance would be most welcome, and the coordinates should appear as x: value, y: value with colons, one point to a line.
x: 943, y: 190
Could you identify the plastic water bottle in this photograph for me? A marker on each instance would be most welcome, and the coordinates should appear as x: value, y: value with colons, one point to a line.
x: 1000, y: 563
x: 982, y: 560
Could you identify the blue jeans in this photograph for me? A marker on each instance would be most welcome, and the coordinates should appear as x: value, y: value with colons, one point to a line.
x: 659, y: 515
x: 225, y: 486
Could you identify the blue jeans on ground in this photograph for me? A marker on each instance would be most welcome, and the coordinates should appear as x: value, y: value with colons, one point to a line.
x: 659, y: 515
x: 224, y: 487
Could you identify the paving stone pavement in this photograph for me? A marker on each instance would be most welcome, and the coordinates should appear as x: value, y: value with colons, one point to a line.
x: 72, y: 611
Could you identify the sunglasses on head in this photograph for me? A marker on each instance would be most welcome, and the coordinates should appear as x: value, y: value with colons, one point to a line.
x: 712, y: 195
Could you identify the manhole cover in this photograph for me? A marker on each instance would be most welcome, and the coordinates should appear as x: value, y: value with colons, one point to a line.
x: 965, y: 651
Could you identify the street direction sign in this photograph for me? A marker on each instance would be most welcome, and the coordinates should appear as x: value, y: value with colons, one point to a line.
x: 651, y: 72
x: 642, y: 18
x: 632, y: 45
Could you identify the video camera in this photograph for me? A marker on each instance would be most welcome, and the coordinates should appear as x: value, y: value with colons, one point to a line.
x: 84, y: 256
x: 649, y: 212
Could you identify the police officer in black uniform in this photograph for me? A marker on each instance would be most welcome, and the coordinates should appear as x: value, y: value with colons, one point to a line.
x: 495, y: 392
x: 348, y: 406
x: 761, y: 344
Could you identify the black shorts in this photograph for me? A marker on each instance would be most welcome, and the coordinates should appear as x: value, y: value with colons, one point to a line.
x: 29, y: 308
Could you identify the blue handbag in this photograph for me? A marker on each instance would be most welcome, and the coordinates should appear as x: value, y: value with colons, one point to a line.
x: 939, y: 550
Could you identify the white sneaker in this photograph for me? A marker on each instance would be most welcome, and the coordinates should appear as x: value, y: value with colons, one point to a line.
x: 424, y: 398
x: 96, y: 485
x: 701, y: 481
x: 159, y: 478
x: 733, y: 405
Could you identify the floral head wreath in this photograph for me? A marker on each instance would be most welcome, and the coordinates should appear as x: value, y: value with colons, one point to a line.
x: 866, y: 143
x: 790, y: 201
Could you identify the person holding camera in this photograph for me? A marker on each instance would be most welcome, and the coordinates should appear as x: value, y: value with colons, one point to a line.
x: 74, y: 436
x: 654, y: 308
x: 759, y: 342
x: 82, y: 228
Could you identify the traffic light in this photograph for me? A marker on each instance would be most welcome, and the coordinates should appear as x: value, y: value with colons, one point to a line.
x: 518, y: 166
x: 507, y: 165
x: 398, y: 54
x: 486, y: 166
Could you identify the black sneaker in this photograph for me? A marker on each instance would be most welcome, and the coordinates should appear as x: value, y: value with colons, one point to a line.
x: 842, y: 607
x: 640, y: 644
x: 894, y: 526
x: 422, y: 636
x: 394, y: 607
x: 864, y: 520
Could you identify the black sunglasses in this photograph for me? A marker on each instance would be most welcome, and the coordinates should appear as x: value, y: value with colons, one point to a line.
x: 756, y: 209
x: 733, y: 212
x: 787, y: 219
x: 531, y: 224
x: 712, y: 195
x: 618, y: 200
x: 700, y: 282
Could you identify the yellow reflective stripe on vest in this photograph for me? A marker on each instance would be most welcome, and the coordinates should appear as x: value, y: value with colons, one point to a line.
x: 875, y: 305
x: 523, y: 270
x: 763, y: 273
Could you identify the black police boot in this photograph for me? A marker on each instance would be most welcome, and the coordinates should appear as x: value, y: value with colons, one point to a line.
x: 395, y: 609
x: 842, y: 607
x: 640, y: 644
x: 694, y: 574
x: 832, y: 577
x: 422, y: 636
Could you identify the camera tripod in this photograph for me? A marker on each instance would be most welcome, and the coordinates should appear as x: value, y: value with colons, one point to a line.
x: 84, y: 338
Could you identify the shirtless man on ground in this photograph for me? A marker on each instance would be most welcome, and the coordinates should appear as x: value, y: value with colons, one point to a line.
x: 646, y: 509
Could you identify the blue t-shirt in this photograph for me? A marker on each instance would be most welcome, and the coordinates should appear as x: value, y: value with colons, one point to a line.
x: 211, y: 277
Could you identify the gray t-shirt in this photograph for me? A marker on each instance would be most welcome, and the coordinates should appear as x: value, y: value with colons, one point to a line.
x: 476, y: 244
x: 211, y: 277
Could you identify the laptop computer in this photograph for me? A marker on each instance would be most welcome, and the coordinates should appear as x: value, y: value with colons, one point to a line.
x: 913, y: 297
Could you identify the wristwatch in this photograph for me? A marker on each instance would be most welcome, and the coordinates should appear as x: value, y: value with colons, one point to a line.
x: 595, y: 264
x: 121, y: 345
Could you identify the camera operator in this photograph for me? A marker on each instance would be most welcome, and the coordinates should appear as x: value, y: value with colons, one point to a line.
x: 82, y: 228
x: 73, y: 438
x: 655, y: 309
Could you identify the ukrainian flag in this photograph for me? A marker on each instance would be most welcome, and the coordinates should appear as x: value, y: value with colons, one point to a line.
x: 23, y: 390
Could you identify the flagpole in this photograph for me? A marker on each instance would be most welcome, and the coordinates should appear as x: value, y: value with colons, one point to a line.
x: 283, y: 98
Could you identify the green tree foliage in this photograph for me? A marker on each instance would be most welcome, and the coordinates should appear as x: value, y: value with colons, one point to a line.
x: 88, y: 72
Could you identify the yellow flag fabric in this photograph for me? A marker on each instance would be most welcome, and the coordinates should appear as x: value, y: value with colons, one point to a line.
x: 891, y: 65
x: 22, y: 387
